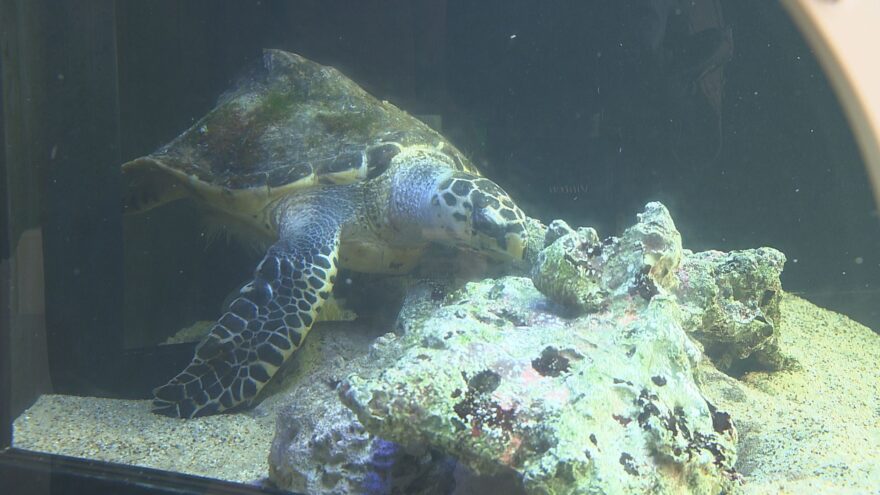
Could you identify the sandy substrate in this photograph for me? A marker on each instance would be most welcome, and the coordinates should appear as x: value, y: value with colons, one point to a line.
x: 814, y: 429
x: 230, y: 447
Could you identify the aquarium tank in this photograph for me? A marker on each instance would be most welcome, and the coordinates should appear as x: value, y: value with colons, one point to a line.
x: 440, y: 247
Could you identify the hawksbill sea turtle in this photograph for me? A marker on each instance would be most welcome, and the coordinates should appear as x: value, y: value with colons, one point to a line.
x: 299, y: 154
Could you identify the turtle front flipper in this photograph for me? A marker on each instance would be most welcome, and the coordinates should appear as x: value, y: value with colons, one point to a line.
x: 264, y: 325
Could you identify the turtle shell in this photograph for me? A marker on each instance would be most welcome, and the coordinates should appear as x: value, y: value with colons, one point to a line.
x: 288, y: 125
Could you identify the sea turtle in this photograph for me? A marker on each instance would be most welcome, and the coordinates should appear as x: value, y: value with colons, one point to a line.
x: 301, y: 155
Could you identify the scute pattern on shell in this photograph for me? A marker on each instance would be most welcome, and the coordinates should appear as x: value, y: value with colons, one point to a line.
x: 292, y: 122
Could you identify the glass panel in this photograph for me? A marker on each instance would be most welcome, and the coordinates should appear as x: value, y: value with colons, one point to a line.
x: 563, y: 247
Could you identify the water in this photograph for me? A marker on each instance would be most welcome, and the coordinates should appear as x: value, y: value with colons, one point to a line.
x: 580, y: 111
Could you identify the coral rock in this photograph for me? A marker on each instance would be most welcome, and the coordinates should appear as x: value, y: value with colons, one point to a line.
x: 604, y: 403
x: 731, y: 305
x: 584, y: 273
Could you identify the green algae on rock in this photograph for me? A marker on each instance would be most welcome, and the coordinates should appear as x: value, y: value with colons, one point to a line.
x: 580, y: 271
x: 604, y: 403
x: 319, y: 447
x: 731, y: 305
x: 730, y: 301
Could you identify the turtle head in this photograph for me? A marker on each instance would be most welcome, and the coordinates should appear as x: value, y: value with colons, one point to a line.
x: 474, y: 213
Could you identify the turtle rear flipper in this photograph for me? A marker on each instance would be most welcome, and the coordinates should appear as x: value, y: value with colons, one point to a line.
x: 264, y: 325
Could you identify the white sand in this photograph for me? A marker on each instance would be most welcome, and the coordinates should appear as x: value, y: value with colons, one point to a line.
x: 816, y: 429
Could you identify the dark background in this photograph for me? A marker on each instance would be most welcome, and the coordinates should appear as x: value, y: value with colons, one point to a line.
x: 565, y: 104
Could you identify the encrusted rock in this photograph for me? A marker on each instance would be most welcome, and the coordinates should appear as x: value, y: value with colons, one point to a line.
x: 582, y: 272
x: 329, y: 452
x: 730, y: 300
x: 321, y: 448
x: 569, y: 271
x: 730, y: 303
x: 556, y: 229
x: 605, y: 403
x: 308, y: 447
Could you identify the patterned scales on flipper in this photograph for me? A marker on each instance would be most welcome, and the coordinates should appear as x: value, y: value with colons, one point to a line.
x: 262, y: 328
